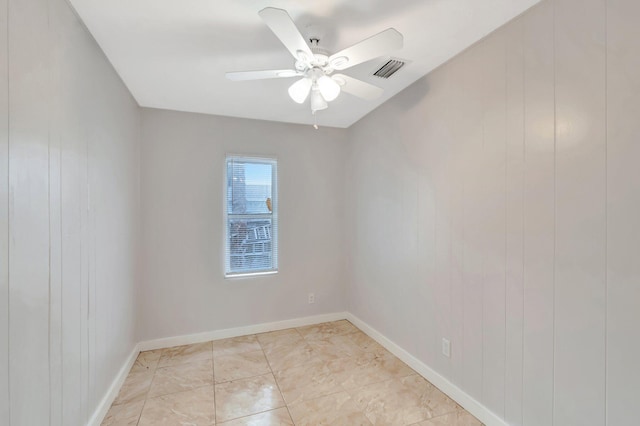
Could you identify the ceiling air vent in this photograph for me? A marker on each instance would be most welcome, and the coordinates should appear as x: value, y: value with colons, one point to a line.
x: 389, y: 69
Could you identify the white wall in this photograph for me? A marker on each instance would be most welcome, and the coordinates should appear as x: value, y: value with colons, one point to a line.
x: 496, y: 203
x: 69, y: 211
x: 183, y: 163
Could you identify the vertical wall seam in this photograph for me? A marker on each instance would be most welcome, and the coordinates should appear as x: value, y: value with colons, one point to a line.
x: 60, y: 375
x: 87, y: 283
x: 480, y: 242
x: 606, y: 200
x: 49, y: 79
x: 523, y: 183
x: 94, y: 286
x: 462, y: 276
x: 61, y: 293
x: 434, y: 244
x: 555, y: 214
x: 81, y: 247
x: 139, y: 278
x: 49, y: 289
x: 506, y: 219
x: 83, y: 207
x: 8, y: 213
x: 451, y: 236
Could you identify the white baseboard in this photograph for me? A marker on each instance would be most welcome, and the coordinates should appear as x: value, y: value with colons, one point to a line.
x: 206, y: 336
x: 102, y: 409
x: 481, y: 412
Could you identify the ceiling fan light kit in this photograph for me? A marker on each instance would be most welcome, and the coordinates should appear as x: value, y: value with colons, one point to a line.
x: 300, y: 90
x: 318, y: 102
x: 316, y: 67
x: 328, y: 88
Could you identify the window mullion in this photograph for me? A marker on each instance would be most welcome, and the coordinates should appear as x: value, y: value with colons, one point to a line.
x: 249, y: 215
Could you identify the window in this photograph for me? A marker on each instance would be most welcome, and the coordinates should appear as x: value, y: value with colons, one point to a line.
x: 251, y: 216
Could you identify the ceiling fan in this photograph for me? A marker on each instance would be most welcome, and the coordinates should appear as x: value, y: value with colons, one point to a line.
x: 316, y: 67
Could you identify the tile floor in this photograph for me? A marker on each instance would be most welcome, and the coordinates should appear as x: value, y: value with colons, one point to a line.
x: 325, y: 374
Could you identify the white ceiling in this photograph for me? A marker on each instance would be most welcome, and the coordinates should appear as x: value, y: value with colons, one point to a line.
x: 173, y: 54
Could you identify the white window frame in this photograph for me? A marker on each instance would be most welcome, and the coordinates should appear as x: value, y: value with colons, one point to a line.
x: 273, y: 216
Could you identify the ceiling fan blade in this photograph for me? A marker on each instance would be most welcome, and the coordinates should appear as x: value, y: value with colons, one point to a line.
x: 260, y: 75
x: 357, y: 87
x: 285, y: 29
x: 377, y: 45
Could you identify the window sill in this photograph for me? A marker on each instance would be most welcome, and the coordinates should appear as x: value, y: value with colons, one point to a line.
x: 250, y: 274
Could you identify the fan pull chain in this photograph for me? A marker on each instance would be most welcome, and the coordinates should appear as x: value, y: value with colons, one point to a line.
x: 315, y: 120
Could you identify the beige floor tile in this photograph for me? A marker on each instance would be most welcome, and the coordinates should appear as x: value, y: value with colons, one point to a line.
x: 402, y: 401
x: 188, y: 353
x: 458, y: 418
x: 147, y: 361
x: 123, y: 414
x: 335, y: 347
x: 236, y: 345
x: 364, y: 343
x: 244, y: 397
x: 307, y: 381
x: 239, y: 366
x: 291, y: 355
x: 334, y: 375
x: 181, y: 377
x: 394, y: 367
x: 430, y: 396
x: 278, y: 417
x: 275, y: 339
x: 135, y: 387
x: 355, y: 372
x: 194, y: 408
x: 337, y: 409
x: 328, y: 329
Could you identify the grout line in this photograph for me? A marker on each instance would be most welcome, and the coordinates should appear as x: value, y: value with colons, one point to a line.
x: 213, y: 379
x: 286, y: 405
x: 249, y: 415
x: 155, y: 369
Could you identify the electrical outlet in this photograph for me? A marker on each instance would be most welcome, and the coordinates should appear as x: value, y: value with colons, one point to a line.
x: 312, y: 298
x: 446, y: 348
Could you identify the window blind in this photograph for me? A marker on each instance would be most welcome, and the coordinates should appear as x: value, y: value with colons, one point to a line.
x: 251, y: 216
